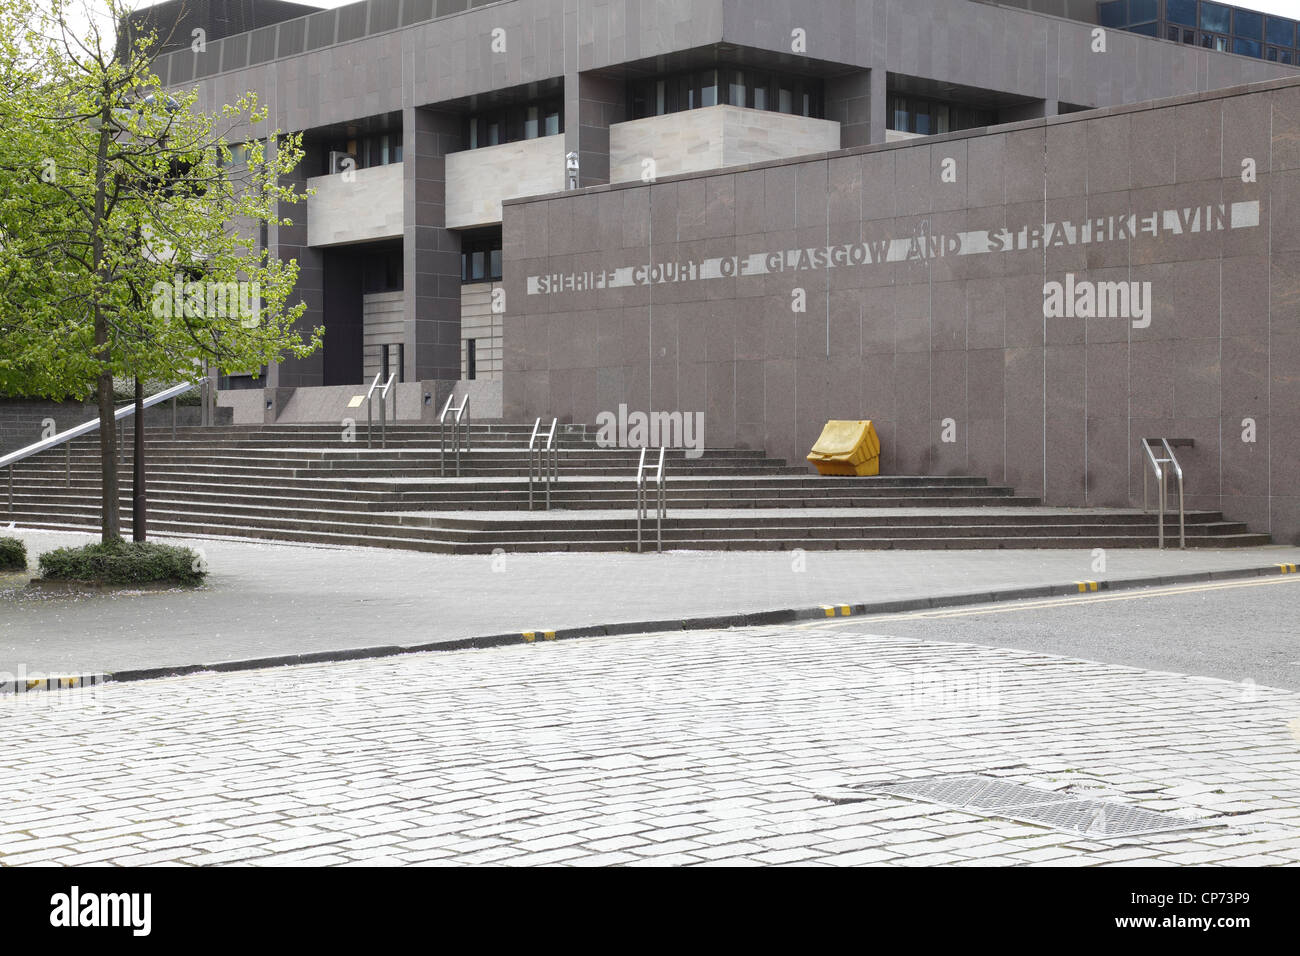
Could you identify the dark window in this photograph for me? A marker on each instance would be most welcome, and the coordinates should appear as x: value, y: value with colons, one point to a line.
x: 1173, y: 33
x: 734, y: 86
x: 1114, y: 13
x: 928, y: 117
x: 1140, y: 11
x: 1281, y: 32
x: 1246, y: 47
x: 1215, y: 17
x: 377, y: 149
x: 1189, y: 36
x: 382, y: 271
x: 1181, y: 11
x: 471, y: 358
x: 1286, y: 56
x: 480, y: 257
x: 1248, y: 24
x: 1146, y: 29
x: 392, y: 356
x: 1272, y: 53
x: 510, y: 124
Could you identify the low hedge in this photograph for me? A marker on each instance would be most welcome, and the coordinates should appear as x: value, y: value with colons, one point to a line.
x: 13, y: 555
x: 123, y: 562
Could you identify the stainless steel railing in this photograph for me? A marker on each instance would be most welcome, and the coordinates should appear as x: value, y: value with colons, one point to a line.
x: 455, y: 416
x: 383, y: 403
x: 65, y: 438
x: 1161, y: 476
x: 543, y: 461
x: 642, y: 499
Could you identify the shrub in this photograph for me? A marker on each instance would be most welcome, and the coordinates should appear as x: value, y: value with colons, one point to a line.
x: 123, y: 562
x: 13, y: 555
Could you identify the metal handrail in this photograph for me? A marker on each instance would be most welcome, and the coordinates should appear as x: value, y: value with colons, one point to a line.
x: 543, y: 461
x: 1161, y: 475
x: 456, y: 413
x: 383, y: 404
x: 65, y: 437
x: 642, y: 503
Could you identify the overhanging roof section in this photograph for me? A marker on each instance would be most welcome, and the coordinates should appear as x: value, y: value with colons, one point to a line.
x: 381, y: 55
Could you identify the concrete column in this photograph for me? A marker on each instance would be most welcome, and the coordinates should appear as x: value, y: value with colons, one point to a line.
x: 857, y: 101
x: 290, y: 242
x: 430, y: 251
x: 591, y: 104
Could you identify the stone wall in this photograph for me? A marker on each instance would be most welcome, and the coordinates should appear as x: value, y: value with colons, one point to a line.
x: 908, y: 283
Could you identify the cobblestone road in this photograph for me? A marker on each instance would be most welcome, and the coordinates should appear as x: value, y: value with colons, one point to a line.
x: 695, y: 748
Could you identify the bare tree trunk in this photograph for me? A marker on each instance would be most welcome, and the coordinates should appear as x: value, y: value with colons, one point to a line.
x: 110, y: 517
x: 137, y: 484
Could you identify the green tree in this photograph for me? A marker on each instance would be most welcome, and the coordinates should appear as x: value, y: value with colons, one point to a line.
x: 128, y: 224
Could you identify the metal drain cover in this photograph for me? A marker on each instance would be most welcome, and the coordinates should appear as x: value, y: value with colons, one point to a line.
x: 995, y: 797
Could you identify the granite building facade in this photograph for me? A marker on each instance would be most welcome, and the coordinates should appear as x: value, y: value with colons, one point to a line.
x: 665, y: 132
x: 421, y: 116
x: 938, y: 288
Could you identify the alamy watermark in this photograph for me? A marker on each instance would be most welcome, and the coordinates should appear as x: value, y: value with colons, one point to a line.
x: 1084, y: 299
x: 193, y: 300
x: 624, y: 429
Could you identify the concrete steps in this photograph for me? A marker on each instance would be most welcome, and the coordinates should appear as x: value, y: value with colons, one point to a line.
x: 305, y: 484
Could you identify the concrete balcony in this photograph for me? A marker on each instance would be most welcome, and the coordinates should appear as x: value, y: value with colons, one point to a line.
x: 367, y: 208
x: 712, y: 137
x: 478, y: 179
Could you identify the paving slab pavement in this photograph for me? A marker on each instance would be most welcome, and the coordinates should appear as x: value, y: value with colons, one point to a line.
x: 265, y: 600
x: 709, y: 748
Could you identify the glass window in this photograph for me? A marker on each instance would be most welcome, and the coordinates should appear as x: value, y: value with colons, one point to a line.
x: 902, y: 121
x: 1272, y: 53
x: 1248, y: 23
x: 1181, y: 11
x: 1215, y: 16
x: 1140, y: 11
x: 493, y: 134
x: 1286, y: 56
x: 1189, y: 36
x: 477, y: 264
x: 1246, y: 47
x: 709, y: 88
x: 1173, y: 33
x: 1146, y: 29
x: 1221, y: 44
x: 785, y: 99
x: 921, y: 120
x: 553, y: 122
x: 1281, y: 32
x: 1114, y: 13
x: 736, y: 88
x: 532, y: 122
x: 494, y: 263
x: 758, y: 95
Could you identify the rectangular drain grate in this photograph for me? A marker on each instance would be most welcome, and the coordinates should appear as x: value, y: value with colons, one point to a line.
x: 992, y: 796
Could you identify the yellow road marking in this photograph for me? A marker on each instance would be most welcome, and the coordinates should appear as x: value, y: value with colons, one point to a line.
x: 1065, y: 601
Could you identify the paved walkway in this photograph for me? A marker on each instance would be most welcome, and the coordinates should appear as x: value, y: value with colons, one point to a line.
x: 704, y: 748
x: 265, y: 600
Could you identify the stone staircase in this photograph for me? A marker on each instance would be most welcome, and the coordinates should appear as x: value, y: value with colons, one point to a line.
x: 305, y: 483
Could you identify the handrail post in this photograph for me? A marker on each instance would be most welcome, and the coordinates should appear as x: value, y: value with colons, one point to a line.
x: 640, y: 496
x: 659, y: 481
x: 532, y: 440
x: 1182, y: 511
x: 442, y: 436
